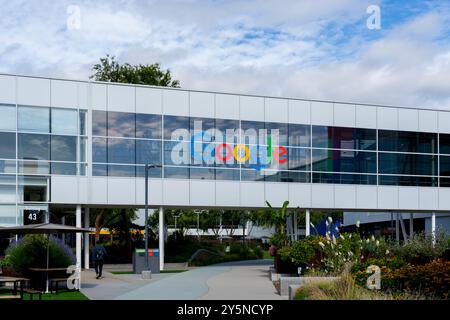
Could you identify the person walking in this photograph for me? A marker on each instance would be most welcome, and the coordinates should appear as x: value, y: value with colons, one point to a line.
x: 98, y: 256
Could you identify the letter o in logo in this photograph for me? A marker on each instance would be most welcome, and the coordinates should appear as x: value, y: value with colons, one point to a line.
x: 229, y: 153
x: 246, y: 155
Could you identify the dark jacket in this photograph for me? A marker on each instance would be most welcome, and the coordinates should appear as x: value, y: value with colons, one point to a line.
x: 99, y: 253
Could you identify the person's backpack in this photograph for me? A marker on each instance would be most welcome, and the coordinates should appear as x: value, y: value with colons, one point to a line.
x: 99, y: 254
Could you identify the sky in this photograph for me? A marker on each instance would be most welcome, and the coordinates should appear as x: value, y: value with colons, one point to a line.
x: 312, y: 49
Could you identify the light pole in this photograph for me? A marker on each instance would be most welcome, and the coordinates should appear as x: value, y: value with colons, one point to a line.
x: 147, y: 168
x: 198, y: 222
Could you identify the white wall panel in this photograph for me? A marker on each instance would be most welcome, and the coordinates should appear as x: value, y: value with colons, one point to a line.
x: 227, y: 193
x: 252, y: 194
x: 33, y: 91
x: 83, y: 95
x: 387, y: 118
x: 98, y: 188
x: 64, y: 189
x: 176, y: 102
x: 83, y: 190
x: 202, y: 193
x: 121, y: 191
x: 408, y: 119
x: 276, y: 193
x: 227, y: 106
x: 299, y: 111
x: 366, y: 197
x: 366, y: 117
x: 98, y: 96
x: 148, y: 100
x: 344, y: 115
x: 322, y: 196
x: 322, y: 113
x: 276, y: 110
x: 176, y: 192
x: 7, y: 89
x: 428, y: 198
x: 428, y: 121
x: 121, y: 98
x: 387, y: 197
x: 300, y: 195
x: 155, y: 196
x: 64, y: 94
x: 344, y: 196
x: 252, y: 108
x: 408, y: 197
x: 444, y: 122
x: 444, y: 199
x: 202, y: 104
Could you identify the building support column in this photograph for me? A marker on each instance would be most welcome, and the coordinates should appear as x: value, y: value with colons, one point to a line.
x: 78, y: 236
x: 433, y: 227
x: 161, y: 238
x: 86, y: 239
x: 411, y: 226
x: 295, y: 226
x: 307, y: 222
x: 397, y: 228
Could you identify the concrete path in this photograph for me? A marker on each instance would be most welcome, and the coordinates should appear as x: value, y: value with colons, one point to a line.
x: 234, y: 280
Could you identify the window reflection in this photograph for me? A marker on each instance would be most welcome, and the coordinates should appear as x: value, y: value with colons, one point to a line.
x: 299, y: 135
x: 148, y: 126
x: 7, y: 117
x: 99, y: 153
x: 148, y: 151
x: 404, y: 141
x: 34, y: 119
x: 65, y: 121
x: 408, y: 164
x: 121, y: 151
x: 7, y: 145
x: 34, y: 146
x: 121, y: 124
x: 99, y: 123
x: 177, y: 126
x: 64, y: 148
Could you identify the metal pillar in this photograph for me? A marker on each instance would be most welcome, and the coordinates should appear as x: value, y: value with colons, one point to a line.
x: 307, y: 223
x: 411, y: 226
x: 78, y: 236
x: 161, y: 238
x: 86, y: 239
x: 433, y: 227
x: 63, y: 236
x: 295, y: 226
x: 397, y: 228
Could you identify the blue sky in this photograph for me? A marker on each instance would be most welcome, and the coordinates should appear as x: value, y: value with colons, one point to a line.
x: 297, y: 48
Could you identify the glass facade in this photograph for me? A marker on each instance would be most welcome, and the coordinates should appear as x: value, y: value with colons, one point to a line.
x: 223, y: 149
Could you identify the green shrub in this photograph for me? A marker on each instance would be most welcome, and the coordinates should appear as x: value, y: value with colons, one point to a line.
x: 278, y: 239
x: 259, y: 252
x: 31, y: 251
x: 300, y: 253
x: 421, y: 249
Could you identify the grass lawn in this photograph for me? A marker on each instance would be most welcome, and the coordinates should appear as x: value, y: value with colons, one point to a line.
x: 266, y: 255
x: 63, y: 295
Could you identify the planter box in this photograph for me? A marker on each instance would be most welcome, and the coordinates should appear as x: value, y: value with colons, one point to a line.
x: 285, y: 282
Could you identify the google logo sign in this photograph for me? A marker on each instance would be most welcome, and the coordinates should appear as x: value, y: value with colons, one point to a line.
x: 258, y: 149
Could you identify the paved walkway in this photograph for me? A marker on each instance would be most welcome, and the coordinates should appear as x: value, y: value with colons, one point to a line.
x: 234, y: 280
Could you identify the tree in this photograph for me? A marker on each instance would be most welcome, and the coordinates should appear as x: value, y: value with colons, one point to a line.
x: 274, y: 217
x: 110, y: 70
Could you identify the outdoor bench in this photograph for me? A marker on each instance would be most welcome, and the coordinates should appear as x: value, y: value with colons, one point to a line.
x: 54, y: 284
x: 32, y: 292
x: 17, y: 297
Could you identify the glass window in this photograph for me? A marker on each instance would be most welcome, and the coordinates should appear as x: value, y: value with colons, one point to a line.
x: 404, y: 141
x: 7, y: 117
x: 60, y: 168
x: 344, y: 161
x: 64, y: 148
x: 121, y: 124
x: 176, y: 126
x: 8, y: 215
x: 82, y: 169
x: 152, y: 172
x: 7, y: 193
x: 7, y: 166
x: 7, y: 145
x: 251, y: 175
x: 343, y: 138
x: 33, y: 189
x: 253, y: 132
x: 83, y: 149
x: 407, y: 181
x: 227, y: 174
x: 121, y: 171
x: 65, y: 121
x: 296, y: 176
x: 34, y: 119
x: 365, y: 139
x: 444, y: 166
x: 299, y: 135
x: 177, y: 153
x: 148, y: 126
x: 201, y: 124
x: 99, y: 153
x: 299, y: 159
x: 83, y: 122
x: 176, y: 172
x: 202, y: 173
x: 34, y: 146
x: 99, y: 170
x: 148, y: 151
x: 444, y: 143
x: 121, y: 151
x: 342, y: 178
x: 407, y: 164
x: 98, y: 123
x: 321, y: 137
x: 282, y: 133
x: 229, y: 130
x: 34, y: 167
x: 444, y: 182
